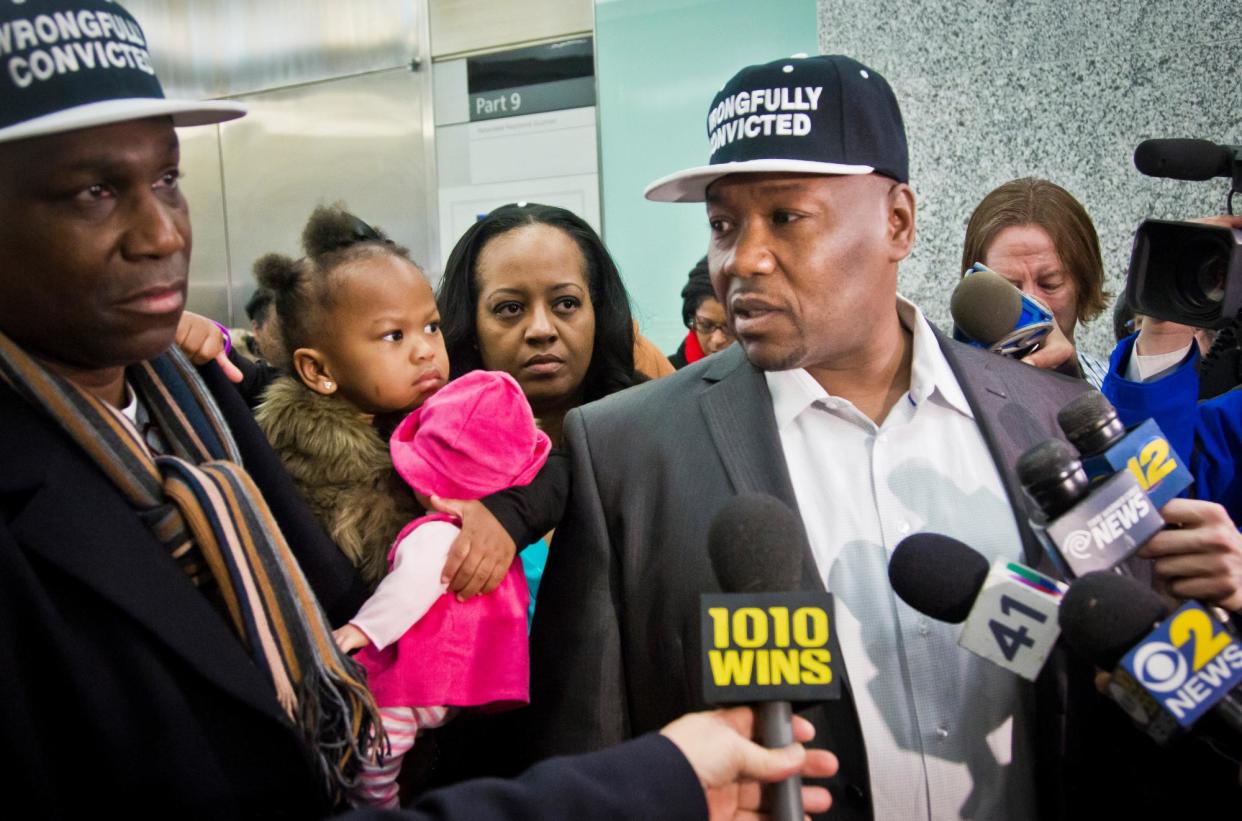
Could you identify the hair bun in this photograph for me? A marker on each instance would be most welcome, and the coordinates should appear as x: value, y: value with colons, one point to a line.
x: 331, y: 228
x: 276, y: 272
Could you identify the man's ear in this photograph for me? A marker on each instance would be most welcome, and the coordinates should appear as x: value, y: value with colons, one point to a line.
x: 312, y: 368
x: 901, y: 208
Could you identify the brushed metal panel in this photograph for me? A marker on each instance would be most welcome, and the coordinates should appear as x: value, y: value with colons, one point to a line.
x: 223, y: 48
x: 209, y: 261
x: 358, y: 139
x: 459, y: 26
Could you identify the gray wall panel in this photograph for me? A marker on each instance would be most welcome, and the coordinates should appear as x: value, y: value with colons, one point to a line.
x: 997, y: 90
x: 336, y: 114
x: 222, y: 48
x: 461, y: 26
x: 357, y: 139
x: 209, y: 261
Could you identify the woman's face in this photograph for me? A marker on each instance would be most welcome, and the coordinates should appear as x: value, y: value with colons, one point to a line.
x: 1026, y: 256
x: 534, y: 318
x: 711, y: 326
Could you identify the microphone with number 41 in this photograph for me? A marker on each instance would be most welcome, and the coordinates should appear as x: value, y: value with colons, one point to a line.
x: 1009, y: 610
x: 765, y: 643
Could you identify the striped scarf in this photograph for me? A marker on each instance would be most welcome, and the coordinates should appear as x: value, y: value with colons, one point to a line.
x: 201, y: 497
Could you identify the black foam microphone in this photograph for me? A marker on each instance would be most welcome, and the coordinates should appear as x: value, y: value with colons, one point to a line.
x: 1170, y: 673
x: 1088, y: 527
x: 937, y: 575
x: 750, y: 547
x: 1009, y: 610
x: 763, y: 642
x: 1181, y: 159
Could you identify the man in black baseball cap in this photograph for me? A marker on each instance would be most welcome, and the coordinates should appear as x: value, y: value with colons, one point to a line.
x: 146, y: 661
x: 845, y: 403
x: 162, y: 652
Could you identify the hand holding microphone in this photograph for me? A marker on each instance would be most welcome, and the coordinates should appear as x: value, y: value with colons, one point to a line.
x: 765, y: 643
x: 990, y: 312
x: 731, y: 767
x: 1200, y: 558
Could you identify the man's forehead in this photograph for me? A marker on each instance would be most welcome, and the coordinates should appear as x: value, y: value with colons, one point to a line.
x: 115, y: 145
x: 773, y: 183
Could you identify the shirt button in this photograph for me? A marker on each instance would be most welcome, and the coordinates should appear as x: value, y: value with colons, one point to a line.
x: 903, y: 528
x: 942, y: 732
x: 924, y: 627
x: 880, y: 439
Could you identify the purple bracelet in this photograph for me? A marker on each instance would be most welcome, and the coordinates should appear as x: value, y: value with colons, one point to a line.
x: 228, y: 337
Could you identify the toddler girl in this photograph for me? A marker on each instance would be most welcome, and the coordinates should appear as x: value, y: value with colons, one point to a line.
x: 360, y: 324
x: 362, y: 330
x: 425, y: 651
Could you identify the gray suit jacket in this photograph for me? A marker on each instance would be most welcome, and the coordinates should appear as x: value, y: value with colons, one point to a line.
x: 616, y: 631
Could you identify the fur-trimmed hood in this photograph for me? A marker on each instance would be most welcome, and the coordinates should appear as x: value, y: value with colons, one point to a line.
x: 342, y: 466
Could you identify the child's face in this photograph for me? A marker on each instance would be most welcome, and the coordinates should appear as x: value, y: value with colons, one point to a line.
x: 381, y: 342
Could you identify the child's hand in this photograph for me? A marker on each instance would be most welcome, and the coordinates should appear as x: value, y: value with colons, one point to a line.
x: 201, y: 341
x: 350, y: 638
x: 481, y: 553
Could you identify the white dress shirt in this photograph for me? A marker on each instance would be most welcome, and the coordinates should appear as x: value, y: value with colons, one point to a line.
x: 941, y: 726
x: 1141, y: 368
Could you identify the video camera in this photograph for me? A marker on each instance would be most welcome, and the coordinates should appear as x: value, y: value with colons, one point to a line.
x: 1186, y: 272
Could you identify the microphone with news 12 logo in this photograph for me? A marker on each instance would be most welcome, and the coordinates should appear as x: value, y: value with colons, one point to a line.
x: 1101, y: 508
x: 1086, y: 527
x: 1091, y: 424
x: 764, y: 642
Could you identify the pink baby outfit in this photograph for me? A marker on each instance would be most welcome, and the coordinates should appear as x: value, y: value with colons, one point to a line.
x: 460, y: 654
x: 474, y: 437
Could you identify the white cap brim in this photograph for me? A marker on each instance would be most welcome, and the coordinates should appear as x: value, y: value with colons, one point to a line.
x: 107, y: 112
x: 691, y: 185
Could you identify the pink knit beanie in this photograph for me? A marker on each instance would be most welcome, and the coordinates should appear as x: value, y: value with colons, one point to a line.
x: 472, y: 438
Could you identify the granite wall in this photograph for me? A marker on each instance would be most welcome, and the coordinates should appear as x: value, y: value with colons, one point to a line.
x: 997, y: 89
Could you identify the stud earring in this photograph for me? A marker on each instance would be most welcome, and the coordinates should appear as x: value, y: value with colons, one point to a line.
x: 328, y: 385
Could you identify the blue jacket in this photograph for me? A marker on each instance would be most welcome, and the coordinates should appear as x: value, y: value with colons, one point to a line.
x: 1205, y: 435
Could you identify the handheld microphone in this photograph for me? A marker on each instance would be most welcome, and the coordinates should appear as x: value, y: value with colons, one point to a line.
x: 990, y: 313
x: 763, y: 642
x: 1171, y: 675
x: 1088, y: 527
x: 1090, y: 422
x: 1009, y: 610
x: 1179, y: 159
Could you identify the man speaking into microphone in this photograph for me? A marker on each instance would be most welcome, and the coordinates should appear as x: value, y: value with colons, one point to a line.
x: 844, y: 403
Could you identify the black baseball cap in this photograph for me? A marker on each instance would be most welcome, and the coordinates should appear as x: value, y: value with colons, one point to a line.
x: 70, y: 64
x: 804, y: 115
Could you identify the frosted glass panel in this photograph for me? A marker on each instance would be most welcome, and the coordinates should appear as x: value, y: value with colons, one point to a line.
x: 658, y: 63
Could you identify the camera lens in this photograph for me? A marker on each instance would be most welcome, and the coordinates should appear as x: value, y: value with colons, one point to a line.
x: 1199, y: 285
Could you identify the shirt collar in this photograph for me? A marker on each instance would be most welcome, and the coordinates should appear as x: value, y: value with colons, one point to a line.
x: 796, y: 390
x: 131, y: 404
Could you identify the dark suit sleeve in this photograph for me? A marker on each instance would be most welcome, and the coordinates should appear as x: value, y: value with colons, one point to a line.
x: 645, y: 778
x: 578, y: 693
x: 256, y: 376
x: 528, y: 513
x: 331, y: 575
